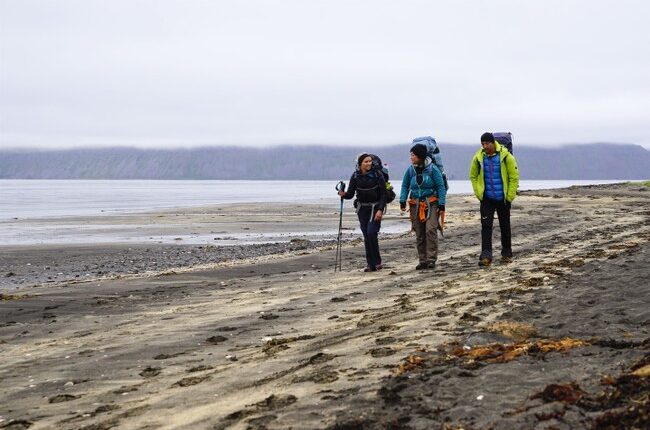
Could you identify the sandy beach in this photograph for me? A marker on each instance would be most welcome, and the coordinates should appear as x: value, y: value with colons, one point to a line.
x: 135, y: 336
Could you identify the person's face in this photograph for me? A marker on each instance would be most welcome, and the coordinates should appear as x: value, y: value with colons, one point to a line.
x: 414, y: 159
x: 366, y: 164
x: 488, y: 147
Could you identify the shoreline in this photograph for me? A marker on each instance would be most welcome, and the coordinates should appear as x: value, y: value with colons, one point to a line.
x: 231, y: 233
x: 283, y: 341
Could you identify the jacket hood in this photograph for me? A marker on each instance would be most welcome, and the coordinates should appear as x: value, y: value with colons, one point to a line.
x: 497, y: 147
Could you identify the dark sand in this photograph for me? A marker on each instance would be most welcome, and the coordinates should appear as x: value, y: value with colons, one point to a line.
x: 280, y: 341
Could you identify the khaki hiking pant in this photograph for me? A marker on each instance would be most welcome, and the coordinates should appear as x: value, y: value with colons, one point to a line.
x: 426, y: 234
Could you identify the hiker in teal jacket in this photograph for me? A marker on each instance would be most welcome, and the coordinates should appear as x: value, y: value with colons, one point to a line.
x: 424, y: 185
x: 495, y: 179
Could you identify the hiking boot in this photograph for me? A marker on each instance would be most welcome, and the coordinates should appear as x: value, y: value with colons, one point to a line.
x: 421, y: 266
x: 506, y: 260
x: 370, y: 269
x: 431, y: 265
x: 484, y: 262
x: 379, y: 266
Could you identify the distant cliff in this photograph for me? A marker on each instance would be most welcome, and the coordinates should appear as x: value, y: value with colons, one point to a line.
x: 591, y: 161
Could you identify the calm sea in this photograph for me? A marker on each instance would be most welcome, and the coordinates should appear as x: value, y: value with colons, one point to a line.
x: 62, y: 198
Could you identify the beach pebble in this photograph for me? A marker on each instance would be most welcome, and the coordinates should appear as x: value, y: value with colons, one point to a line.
x: 479, y: 398
x: 546, y: 279
x: 68, y: 384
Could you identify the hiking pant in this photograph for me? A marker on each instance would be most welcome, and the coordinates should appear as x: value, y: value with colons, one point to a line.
x: 426, y: 235
x: 502, y: 209
x: 370, y: 229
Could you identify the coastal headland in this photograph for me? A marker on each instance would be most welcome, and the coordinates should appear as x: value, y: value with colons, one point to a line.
x: 272, y: 338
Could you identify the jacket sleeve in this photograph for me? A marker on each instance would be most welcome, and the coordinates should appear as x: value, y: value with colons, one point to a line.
x: 474, y: 171
x: 513, y: 177
x: 352, y: 188
x: 406, y: 183
x: 439, y: 184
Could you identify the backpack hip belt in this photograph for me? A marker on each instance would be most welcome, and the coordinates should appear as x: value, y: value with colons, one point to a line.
x: 423, y: 212
x: 359, y: 205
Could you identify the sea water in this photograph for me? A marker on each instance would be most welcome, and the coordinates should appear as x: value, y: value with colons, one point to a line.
x: 41, y: 212
x: 68, y: 198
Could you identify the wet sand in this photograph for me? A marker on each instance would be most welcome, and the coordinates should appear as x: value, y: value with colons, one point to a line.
x: 556, y: 339
x: 136, y: 245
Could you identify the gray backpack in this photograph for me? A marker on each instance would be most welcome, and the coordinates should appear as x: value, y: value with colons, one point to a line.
x: 433, y: 155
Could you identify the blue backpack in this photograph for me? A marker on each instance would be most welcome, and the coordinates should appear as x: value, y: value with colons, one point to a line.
x: 433, y: 155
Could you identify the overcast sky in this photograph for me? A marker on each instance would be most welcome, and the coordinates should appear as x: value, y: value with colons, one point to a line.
x: 163, y: 73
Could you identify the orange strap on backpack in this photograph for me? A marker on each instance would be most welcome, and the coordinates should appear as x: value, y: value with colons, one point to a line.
x: 422, y: 208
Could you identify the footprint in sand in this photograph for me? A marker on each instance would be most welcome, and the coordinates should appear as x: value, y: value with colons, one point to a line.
x: 150, y: 372
x: 192, y: 380
x: 215, y: 340
x: 166, y: 356
x: 382, y: 352
x: 17, y: 424
x: 269, y: 317
x: 322, y: 376
x: 320, y: 358
x: 469, y: 317
x: 271, y: 403
x: 261, y: 423
x: 385, y: 340
x: 60, y: 398
x: 106, y: 408
x: 200, y: 368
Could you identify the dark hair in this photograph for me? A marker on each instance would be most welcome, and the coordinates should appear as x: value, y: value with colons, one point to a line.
x: 487, y: 137
x: 361, y: 158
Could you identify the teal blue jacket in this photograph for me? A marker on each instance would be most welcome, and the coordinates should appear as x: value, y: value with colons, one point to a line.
x: 432, y: 184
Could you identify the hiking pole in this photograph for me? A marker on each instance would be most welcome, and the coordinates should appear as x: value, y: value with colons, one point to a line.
x: 337, y: 263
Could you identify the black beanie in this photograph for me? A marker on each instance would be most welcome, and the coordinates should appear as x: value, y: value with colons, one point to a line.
x: 420, y: 151
x: 487, y: 137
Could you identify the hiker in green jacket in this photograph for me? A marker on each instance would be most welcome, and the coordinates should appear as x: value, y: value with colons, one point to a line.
x: 495, y: 179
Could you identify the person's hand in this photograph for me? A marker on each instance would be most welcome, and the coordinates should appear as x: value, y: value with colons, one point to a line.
x: 378, y: 215
x: 402, y: 206
x: 441, y: 208
x: 341, y: 193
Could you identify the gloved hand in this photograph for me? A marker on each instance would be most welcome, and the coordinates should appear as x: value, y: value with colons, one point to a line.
x: 402, y: 206
x: 441, y: 208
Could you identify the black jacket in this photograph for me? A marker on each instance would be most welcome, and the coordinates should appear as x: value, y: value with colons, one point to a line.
x: 369, y: 188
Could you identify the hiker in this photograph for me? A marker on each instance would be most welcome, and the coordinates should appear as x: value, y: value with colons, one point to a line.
x: 369, y: 186
x: 495, y: 179
x: 423, y: 182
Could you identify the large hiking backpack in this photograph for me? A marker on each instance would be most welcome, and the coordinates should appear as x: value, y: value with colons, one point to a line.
x: 433, y: 155
x: 382, y: 169
x: 504, y: 139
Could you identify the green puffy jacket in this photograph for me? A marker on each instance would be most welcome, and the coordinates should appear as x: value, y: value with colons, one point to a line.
x: 509, y: 173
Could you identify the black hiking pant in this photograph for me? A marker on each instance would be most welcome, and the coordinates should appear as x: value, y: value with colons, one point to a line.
x: 488, y: 207
x: 370, y: 229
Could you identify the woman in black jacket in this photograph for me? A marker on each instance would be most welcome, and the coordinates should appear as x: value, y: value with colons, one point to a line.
x: 369, y: 186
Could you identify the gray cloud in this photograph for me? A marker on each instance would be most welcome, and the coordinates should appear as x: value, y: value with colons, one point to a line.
x: 183, y: 73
